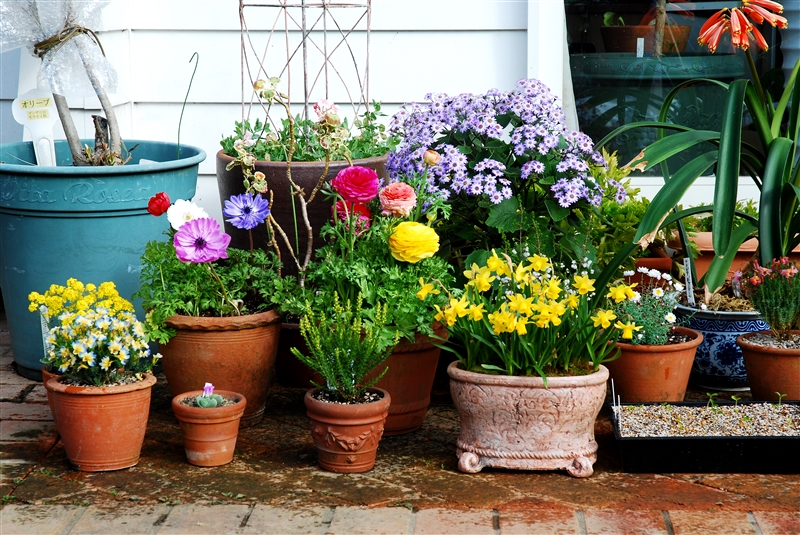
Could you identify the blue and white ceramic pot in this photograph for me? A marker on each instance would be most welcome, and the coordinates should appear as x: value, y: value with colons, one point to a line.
x: 718, y: 362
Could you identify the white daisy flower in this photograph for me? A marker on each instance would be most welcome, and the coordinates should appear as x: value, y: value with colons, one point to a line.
x: 642, y: 270
x: 670, y: 318
x: 666, y: 277
x: 678, y: 286
x: 628, y: 273
x: 654, y: 273
x: 658, y: 292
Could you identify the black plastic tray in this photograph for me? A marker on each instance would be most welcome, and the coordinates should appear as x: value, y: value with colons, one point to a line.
x: 763, y: 455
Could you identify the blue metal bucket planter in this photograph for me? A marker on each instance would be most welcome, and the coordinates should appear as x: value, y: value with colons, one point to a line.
x: 718, y: 362
x: 88, y: 223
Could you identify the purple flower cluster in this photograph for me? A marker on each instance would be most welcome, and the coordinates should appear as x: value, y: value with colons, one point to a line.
x: 496, y: 145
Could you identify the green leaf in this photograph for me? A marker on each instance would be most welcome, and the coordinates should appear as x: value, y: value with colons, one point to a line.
x: 505, y: 216
x: 557, y: 212
x: 718, y: 269
x: 730, y: 150
x: 770, y: 221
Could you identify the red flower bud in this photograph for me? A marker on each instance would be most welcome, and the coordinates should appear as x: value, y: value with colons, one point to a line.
x: 158, y: 203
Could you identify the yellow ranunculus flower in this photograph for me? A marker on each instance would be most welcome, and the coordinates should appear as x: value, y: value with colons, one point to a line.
x: 412, y: 241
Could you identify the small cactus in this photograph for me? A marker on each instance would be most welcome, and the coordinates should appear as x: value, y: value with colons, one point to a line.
x: 208, y: 398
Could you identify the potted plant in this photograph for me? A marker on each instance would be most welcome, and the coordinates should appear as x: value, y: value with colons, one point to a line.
x: 209, y: 424
x: 290, y: 158
x: 617, y: 37
x: 774, y: 166
x: 772, y: 358
x: 101, y: 400
x: 379, y: 243
x: 347, y: 413
x: 210, y: 306
x: 724, y: 437
x: 86, y: 208
x: 656, y: 357
x: 529, y: 381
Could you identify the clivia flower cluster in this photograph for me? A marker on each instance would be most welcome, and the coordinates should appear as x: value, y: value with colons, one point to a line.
x: 524, y: 319
x: 94, y: 337
x: 645, y: 315
x: 775, y: 292
x: 735, y: 22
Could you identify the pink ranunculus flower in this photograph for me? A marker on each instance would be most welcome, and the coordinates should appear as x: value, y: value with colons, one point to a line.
x: 360, y: 212
x: 356, y: 184
x: 398, y: 199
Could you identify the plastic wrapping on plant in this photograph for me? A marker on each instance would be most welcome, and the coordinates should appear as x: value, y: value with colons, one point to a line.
x: 75, y: 48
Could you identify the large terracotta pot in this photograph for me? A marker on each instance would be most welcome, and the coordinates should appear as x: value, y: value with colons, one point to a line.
x: 235, y: 353
x: 102, y: 427
x: 623, y: 38
x: 654, y: 372
x: 304, y: 174
x: 718, y: 362
x: 347, y: 436
x: 209, y: 434
x: 771, y: 369
x: 46, y: 376
x: 515, y: 422
x: 409, y: 380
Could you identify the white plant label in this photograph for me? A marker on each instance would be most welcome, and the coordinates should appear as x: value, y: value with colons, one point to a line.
x: 687, y: 268
x: 36, y: 111
x: 639, y: 47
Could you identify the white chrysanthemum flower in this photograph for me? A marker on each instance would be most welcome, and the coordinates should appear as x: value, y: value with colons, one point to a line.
x: 628, y: 273
x: 184, y: 211
x: 670, y: 318
x: 658, y: 292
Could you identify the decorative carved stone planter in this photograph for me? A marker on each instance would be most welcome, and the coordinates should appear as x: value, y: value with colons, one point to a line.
x: 515, y: 422
x: 347, y: 436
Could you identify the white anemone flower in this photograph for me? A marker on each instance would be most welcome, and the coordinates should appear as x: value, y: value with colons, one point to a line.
x: 184, y: 211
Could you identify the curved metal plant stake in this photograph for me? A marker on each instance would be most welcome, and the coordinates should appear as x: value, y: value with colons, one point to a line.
x: 58, y: 32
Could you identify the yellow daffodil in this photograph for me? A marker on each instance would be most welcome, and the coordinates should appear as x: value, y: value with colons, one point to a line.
x: 498, y: 265
x: 603, y: 318
x: 480, y: 277
x: 520, y: 303
x: 476, y: 312
x: 426, y: 288
x: 583, y: 284
x: 573, y: 301
x: 552, y: 288
x: 628, y: 329
x: 618, y: 293
x: 538, y: 263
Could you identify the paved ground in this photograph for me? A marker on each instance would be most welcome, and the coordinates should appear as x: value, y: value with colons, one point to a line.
x: 274, y: 486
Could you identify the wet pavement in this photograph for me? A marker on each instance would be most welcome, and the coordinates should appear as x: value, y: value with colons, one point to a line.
x: 274, y: 486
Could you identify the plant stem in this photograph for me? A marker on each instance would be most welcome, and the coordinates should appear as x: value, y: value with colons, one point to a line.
x: 757, y: 83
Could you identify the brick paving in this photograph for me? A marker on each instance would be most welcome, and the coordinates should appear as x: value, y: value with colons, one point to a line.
x: 274, y: 486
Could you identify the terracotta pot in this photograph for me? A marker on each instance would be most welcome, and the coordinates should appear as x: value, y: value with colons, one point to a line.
x: 515, y: 422
x: 771, y: 369
x: 654, y: 372
x: 46, y: 376
x: 412, y: 368
x: 623, y: 38
x: 658, y: 260
x: 209, y: 434
x: 304, y: 174
x: 347, y: 436
x: 237, y: 353
x: 102, y: 427
x: 409, y: 380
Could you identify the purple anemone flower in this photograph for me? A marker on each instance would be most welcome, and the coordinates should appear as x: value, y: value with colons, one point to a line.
x: 245, y: 211
x: 201, y: 240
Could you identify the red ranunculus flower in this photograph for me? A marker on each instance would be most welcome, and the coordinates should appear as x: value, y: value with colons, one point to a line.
x: 360, y: 212
x: 158, y: 203
x: 356, y: 184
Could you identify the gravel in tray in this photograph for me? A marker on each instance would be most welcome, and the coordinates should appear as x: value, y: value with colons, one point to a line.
x: 745, y: 420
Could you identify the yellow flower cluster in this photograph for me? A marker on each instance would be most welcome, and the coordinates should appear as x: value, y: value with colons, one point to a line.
x: 514, y: 297
x: 411, y: 242
x: 76, y: 297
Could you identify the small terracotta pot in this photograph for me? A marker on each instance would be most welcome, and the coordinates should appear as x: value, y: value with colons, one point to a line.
x: 658, y: 260
x: 347, y: 436
x: 238, y: 352
x: 46, y: 376
x: 623, y: 38
x: 102, y: 427
x: 519, y: 423
x: 209, y: 434
x: 654, y: 372
x: 771, y: 369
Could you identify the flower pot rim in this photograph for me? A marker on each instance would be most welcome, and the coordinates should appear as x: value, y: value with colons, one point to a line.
x: 106, y: 170
x: 55, y: 384
x: 697, y: 339
x: 458, y: 373
x: 312, y: 391
x: 240, y: 402
x: 220, y: 323
x: 743, y: 341
x: 741, y: 315
x: 282, y: 163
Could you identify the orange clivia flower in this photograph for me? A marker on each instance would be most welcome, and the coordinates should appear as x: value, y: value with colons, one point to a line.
x: 735, y: 21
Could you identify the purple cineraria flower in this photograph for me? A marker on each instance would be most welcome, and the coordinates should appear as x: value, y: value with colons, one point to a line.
x: 246, y: 211
x: 201, y: 240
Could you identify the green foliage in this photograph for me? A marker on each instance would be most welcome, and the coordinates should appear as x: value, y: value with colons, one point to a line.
x: 343, y: 348
x: 651, y: 310
x: 370, y: 140
x: 775, y: 292
x: 207, y: 402
x: 170, y: 286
